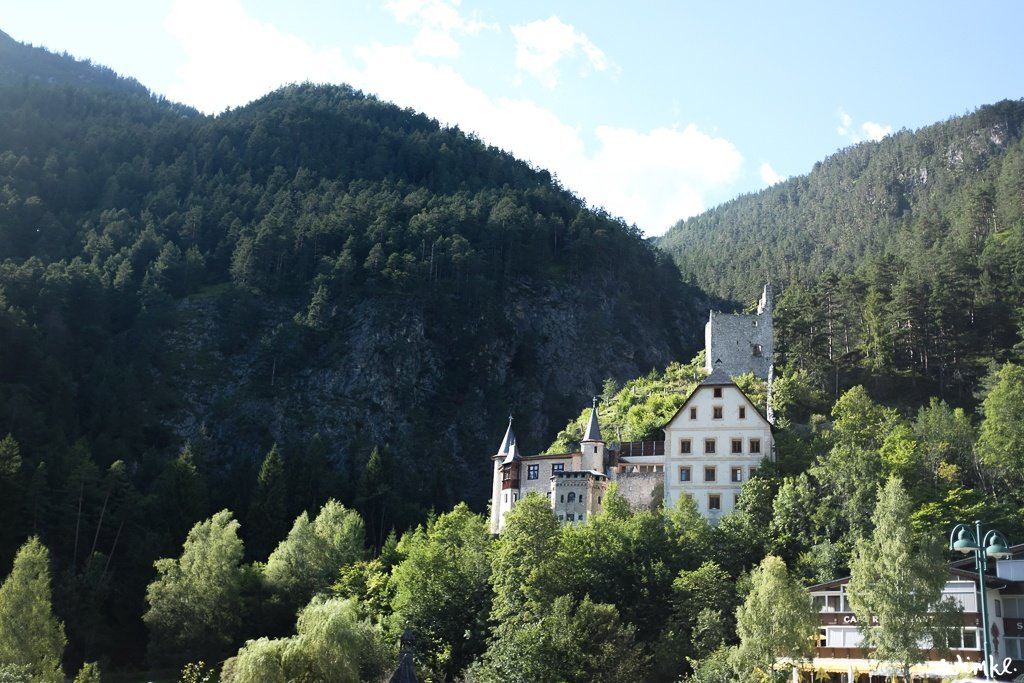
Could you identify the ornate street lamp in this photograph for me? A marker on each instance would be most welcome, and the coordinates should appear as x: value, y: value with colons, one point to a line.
x: 992, y: 544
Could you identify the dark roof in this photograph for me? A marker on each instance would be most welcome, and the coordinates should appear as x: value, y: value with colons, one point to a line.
x: 717, y: 377
x: 405, y: 672
x: 593, y: 432
x: 513, y: 453
x: 509, y: 439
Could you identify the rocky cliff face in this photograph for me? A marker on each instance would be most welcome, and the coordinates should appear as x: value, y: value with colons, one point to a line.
x: 433, y: 392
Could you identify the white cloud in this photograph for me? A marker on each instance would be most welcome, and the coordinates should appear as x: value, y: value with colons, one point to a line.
x: 875, y: 131
x: 541, y: 45
x: 233, y: 58
x: 439, y: 22
x: 768, y: 174
x: 652, y: 178
x: 868, y: 130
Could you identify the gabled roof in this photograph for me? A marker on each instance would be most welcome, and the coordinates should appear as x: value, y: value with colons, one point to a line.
x: 509, y: 439
x: 593, y: 432
x: 717, y: 378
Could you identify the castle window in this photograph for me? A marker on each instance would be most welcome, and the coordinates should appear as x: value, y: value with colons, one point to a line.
x: 558, y: 467
x: 718, y: 392
x: 710, y: 473
x: 595, y: 449
x: 693, y: 413
x: 709, y: 445
x: 743, y: 412
x: 570, y: 517
x: 757, y: 350
x: 716, y: 413
x: 572, y: 497
x: 737, y: 445
x: 737, y: 474
x: 714, y: 502
x: 561, y: 498
x: 684, y: 446
x: 506, y: 497
x: 755, y: 445
x: 515, y: 497
x: 684, y: 474
x: 533, y: 471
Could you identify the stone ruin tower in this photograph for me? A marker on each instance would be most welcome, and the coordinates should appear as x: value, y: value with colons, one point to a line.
x: 741, y: 342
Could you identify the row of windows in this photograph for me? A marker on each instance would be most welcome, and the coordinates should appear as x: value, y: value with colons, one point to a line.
x: 717, y: 412
x: 711, y: 446
x: 533, y: 471
x: 711, y: 473
x: 570, y: 517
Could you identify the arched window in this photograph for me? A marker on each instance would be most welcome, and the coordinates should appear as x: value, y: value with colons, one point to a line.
x: 572, y: 497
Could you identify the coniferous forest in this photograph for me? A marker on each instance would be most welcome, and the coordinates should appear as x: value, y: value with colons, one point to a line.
x: 253, y: 368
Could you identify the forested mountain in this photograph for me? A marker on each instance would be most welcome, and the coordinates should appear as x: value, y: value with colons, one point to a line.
x: 236, y: 311
x: 901, y: 260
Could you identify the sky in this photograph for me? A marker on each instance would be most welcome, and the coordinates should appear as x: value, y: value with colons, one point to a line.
x: 654, y: 110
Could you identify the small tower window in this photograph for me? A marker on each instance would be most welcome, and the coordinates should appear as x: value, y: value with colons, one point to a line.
x: 572, y: 497
x: 757, y: 350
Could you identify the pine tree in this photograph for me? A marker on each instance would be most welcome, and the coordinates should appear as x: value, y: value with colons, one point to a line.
x: 30, y: 636
x: 268, y: 515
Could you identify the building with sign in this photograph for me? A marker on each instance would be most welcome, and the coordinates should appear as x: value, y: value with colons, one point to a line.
x: 840, y: 656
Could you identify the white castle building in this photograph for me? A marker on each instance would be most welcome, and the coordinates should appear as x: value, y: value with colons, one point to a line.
x: 714, y: 442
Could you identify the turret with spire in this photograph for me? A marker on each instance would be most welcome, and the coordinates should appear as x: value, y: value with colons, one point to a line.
x: 505, y: 484
x: 592, y: 444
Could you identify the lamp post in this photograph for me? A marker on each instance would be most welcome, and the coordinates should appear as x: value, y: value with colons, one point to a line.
x: 992, y: 544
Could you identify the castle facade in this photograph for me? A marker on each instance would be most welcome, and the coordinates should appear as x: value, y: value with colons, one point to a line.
x: 715, y: 441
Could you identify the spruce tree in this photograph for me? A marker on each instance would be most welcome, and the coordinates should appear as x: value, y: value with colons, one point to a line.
x: 30, y: 636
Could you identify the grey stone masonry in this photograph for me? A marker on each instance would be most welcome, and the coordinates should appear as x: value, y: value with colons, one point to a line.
x: 738, y: 342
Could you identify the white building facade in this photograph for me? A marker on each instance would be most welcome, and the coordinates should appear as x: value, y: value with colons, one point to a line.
x: 716, y: 441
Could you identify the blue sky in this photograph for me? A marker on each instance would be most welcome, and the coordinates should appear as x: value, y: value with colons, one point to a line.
x: 654, y: 110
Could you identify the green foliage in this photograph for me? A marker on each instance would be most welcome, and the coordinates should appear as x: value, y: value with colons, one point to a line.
x: 267, y: 511
x: 30, y: 636
x: 519, y: 564
x: 195, y: 600
x: 307, y: 562
x: 642, y: 407
x: 89, y: 673
x: 332, y: 645
x: 1001, y: 438
x: 548, y: 649
x: 900, y: 257
x: 775, y: 620
x: 899, y: 582
x: 443, y: 592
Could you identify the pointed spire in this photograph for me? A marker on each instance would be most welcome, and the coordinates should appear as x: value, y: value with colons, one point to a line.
x: 509, y: 439
x: 593, y: 432
x: 513, y: 453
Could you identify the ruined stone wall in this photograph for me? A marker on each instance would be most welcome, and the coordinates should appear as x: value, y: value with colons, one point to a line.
x: 643, y: 490
x: 742, y: 342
